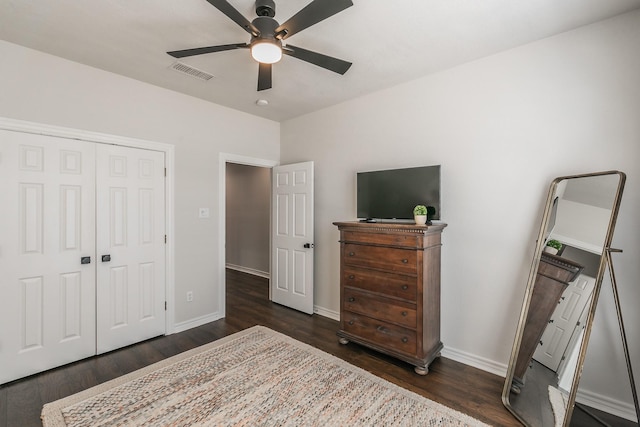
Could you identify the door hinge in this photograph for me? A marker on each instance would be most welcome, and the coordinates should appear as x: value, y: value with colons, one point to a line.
x: 165, y: 172
x: 165, y: 306
x: 165, y: 238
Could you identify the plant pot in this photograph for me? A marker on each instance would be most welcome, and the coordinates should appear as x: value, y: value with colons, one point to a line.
x: 420, y: 219
x: 550, y: 250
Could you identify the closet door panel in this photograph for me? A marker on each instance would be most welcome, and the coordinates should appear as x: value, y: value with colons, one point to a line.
x: 47, y: 226
x: 131, y: 246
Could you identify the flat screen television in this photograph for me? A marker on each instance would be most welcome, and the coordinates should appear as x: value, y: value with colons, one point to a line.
x: 392, y: 194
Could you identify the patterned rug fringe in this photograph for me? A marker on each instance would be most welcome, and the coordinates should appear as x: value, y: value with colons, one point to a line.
x: 256, y: 377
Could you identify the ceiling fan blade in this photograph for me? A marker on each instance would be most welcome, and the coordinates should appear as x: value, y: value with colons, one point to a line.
x: 330, y: 63
x: 209, y: 49
x: 264, y: 76
x: 231, y: 12
x: 314, y: 12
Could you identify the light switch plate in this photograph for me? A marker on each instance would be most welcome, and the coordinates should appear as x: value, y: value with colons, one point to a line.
x: 203, y: 213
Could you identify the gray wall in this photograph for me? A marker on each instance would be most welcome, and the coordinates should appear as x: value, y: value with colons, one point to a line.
x: 80, y: 97
x: 248, y: 209
x: 502, y: 127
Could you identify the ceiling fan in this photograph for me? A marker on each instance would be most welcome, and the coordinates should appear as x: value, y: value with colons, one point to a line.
x: 267, y: 36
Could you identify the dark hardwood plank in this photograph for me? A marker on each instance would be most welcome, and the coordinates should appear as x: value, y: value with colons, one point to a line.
x: 453, y: 384
x: 3, y: 406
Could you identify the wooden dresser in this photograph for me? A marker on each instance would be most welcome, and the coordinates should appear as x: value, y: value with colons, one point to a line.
x: 390, y: 289
x: 553, y: 276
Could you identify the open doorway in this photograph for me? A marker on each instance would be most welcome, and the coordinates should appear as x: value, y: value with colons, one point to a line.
x: 243, y: 177
x: 248, y: 208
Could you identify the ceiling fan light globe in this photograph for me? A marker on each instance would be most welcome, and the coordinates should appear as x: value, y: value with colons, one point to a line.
x: 266, y: 52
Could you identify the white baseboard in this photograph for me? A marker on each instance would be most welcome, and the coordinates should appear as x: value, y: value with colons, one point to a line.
x: 593, y: 400
x: 248, y: 270
x: 193, y: 323
x: 487, y: 365
x: 607, y: 404
x: 333, y: 315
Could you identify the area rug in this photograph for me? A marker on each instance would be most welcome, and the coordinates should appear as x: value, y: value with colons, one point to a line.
x: 257, y: 377
x: 558, y: 400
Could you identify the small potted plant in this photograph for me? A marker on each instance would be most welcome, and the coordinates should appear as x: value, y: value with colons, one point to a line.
x: 420, y: 214
x: 552, y: 247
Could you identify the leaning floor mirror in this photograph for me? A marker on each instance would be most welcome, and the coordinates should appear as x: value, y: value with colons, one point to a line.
x: 561, y: 298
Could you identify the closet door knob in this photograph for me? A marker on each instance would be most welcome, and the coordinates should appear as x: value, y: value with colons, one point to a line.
x: 106, y: 258
x: 85, y: 260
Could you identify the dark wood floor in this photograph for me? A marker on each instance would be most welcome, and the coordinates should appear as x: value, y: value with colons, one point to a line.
x: 453, y: 384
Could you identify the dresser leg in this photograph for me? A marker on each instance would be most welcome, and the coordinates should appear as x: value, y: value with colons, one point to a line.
x: 421, y: 370
x: 343, y: 341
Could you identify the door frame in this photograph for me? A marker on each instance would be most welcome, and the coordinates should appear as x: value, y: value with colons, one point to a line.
x: 223, y: 159
x: 169, y: 156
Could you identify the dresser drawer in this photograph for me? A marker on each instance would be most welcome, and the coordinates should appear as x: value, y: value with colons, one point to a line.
x: 396, y: 239
x: 379, y: 307
x: 380, y: 333
x: 389, y: 259
x: 391, y: 284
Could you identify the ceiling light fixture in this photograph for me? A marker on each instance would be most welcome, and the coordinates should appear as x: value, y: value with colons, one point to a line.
x: 266, y: 44
x: 266, y: 51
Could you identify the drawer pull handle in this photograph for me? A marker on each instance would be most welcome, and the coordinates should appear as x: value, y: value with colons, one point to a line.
x: 405, y: 340
x: 404, y: 261
x: 352, y: 253
x: 351, y: 277
x: 404, y: 313
x: 405, y: 287
x: 382, y: 329
x: 351, y: 299
x: 351, y: 322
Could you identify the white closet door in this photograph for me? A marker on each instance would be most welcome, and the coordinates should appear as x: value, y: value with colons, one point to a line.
x: 47, y: 296
x: 130, y: 246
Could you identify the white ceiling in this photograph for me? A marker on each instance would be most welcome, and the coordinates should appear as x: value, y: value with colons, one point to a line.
x: 389, y: 42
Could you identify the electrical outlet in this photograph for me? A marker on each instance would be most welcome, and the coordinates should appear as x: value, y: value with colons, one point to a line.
x: 189, y: 296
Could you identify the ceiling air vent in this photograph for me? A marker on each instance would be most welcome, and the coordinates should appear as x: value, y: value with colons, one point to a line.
x: 194, y: 72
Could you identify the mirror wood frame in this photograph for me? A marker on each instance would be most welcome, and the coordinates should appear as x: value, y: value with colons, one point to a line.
x: 604, y: 262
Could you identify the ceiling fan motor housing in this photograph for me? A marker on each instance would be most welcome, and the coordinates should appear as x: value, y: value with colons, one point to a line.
x: 267, y: 27
x: 266, y: 8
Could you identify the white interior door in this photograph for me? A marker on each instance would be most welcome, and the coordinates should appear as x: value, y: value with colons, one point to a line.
x: 292, y: 236
x: 47, y: 225
x: 563, y: 322
x: 130, y: 246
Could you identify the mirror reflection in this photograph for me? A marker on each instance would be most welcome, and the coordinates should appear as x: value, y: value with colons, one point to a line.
x: 564, y: 282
